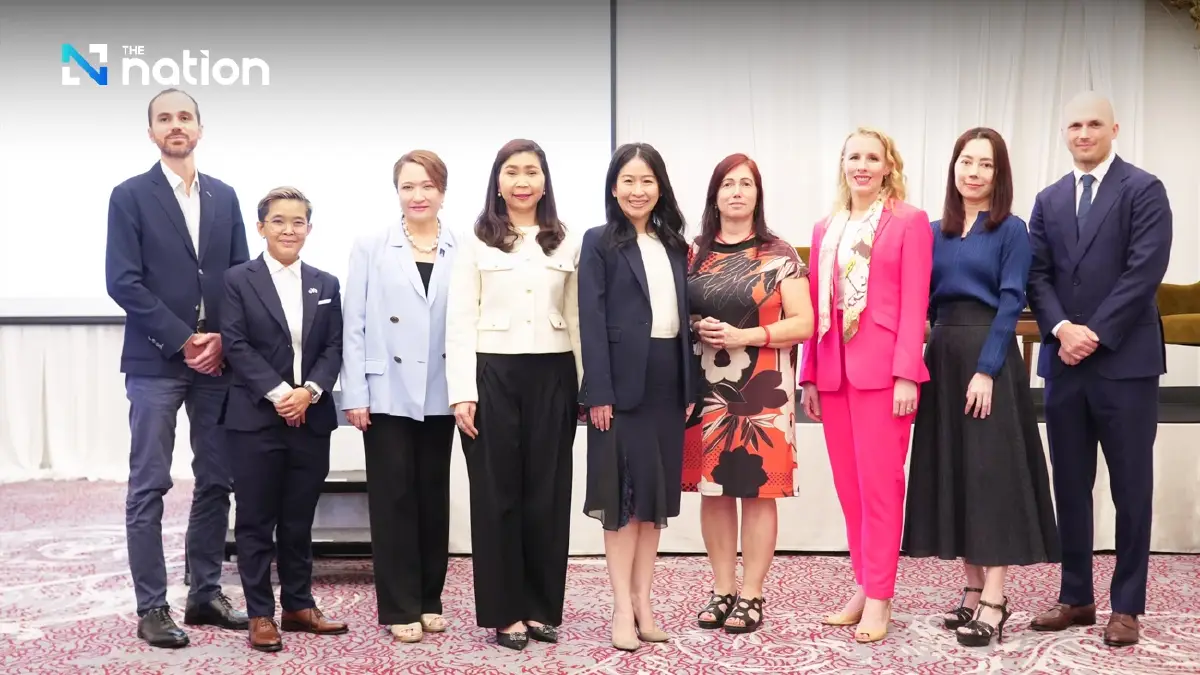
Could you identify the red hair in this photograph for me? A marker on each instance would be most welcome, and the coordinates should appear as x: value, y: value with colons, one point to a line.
x: 710, y: 221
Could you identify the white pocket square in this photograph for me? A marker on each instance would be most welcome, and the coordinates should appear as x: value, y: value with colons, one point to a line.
x: 326, y: 301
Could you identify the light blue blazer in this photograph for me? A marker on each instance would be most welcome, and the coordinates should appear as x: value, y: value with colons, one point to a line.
x: 394, y: 335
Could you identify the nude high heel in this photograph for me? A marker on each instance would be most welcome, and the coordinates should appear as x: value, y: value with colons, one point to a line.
x: 867, y: 636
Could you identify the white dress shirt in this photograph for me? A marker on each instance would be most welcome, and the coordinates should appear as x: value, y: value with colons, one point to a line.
x: 1098, y: 173
x: 521, y: 302
x: 189, y: 203
x: 291, y: 295
x: 660, y: 282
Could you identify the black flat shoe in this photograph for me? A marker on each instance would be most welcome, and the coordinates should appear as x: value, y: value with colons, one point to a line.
x: 517, y: 640
x: 543, y: 633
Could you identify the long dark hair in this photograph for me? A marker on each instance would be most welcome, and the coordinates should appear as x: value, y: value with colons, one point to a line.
x: 953, y: 212
x: 666, y: 220
x: 710, y: 222
x: 493, y: 226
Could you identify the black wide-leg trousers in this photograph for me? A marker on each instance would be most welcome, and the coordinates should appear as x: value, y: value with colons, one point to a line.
x: 408, y: 494
x: 520, y: 471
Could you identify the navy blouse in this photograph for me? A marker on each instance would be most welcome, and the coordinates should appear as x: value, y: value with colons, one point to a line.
x: 991, y: 267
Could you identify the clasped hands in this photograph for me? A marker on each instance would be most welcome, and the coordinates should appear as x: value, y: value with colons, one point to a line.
x: 294, y: 406
x: 203, y: 354
x: 718, y: 334
x: 1076, y: 343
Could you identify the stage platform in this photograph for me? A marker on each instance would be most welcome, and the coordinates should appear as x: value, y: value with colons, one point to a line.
x: 809, y: 522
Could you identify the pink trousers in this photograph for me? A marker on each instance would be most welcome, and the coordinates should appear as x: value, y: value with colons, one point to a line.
x: 867, y: 447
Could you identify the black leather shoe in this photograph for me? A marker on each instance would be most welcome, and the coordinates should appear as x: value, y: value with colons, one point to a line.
x: 158, y: 629
x: 543, y: 633
x: 216, y: 612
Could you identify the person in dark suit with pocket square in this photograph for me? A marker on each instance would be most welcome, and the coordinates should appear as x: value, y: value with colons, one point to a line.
x: 283, y: 338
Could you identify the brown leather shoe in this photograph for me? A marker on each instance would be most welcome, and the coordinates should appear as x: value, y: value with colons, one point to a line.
x: 264, y: 634
x: 1122, y: 630
x: 1062, y: 617
x: 311, y: 621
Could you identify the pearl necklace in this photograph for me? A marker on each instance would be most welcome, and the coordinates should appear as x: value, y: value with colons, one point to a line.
x: 422, y: 249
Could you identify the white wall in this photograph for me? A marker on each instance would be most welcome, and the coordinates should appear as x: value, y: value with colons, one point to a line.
x: 352, y: 87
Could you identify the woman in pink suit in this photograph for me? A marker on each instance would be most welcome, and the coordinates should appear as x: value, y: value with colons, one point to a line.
x: 869, y: 280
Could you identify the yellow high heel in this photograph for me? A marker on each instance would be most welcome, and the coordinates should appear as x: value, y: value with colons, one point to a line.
x: 843, y: 618
x: 867, y: 636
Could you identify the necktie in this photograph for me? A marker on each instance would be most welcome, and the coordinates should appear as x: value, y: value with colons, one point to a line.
x: 1085, y: 201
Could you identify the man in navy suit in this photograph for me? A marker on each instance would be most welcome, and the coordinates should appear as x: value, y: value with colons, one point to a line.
x: 283, y: 336
x: 172, y: 233
x: 1101, y: 239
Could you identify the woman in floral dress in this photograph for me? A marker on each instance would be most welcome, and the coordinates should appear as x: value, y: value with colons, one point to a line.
x: 748, y: 291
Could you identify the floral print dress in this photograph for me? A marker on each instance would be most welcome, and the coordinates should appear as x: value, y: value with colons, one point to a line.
x: 740, y: 440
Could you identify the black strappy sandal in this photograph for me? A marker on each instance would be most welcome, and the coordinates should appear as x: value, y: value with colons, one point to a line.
x: 979, y: 633
x: 719, y: 606
x: 961, y: 614
x: 742, y: 611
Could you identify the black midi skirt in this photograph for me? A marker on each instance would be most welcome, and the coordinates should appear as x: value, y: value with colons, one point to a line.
x: 634, y: 469
x: 978, y: 489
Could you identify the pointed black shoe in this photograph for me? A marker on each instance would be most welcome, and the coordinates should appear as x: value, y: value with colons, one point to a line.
x: 158, y: 629
x: 517, y: 640
x: 216, y: 612
x: 543, y: 633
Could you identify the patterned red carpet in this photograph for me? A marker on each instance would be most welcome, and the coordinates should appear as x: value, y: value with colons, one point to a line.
x: 66, y: 607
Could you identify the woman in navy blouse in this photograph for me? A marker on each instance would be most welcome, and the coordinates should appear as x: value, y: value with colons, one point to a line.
x: 978, y: 485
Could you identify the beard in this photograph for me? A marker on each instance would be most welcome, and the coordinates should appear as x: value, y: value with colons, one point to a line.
x: 176, y: 151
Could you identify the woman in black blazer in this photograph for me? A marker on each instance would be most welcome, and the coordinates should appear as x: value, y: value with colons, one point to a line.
x: 639, y: 375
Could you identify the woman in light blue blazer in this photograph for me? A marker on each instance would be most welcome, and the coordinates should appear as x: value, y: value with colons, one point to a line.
x: 394, y: 391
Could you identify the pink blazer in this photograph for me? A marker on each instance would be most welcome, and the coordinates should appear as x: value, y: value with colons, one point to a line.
x: 891, y: 333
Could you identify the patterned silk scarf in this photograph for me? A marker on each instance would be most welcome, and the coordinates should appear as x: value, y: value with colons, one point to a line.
x: 858, y: 269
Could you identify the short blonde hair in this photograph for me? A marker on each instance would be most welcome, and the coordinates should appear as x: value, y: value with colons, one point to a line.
x: 280, y: 194
x: 893, y: 184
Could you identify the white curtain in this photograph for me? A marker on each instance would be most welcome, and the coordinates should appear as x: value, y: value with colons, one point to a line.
x: 63, y: 412
x: 785, y: 82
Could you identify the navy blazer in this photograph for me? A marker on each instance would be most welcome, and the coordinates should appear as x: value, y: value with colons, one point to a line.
x: 258, y: 345
x: 1108, y: 278
x: 155, y: 274
x: 614, y: 323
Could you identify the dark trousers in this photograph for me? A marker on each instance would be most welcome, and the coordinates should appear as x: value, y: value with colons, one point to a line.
x: 1083, y: 409
x: 278, y: 474
x: 520, y: 471
x: 153, y: 410
x: 408, y: 494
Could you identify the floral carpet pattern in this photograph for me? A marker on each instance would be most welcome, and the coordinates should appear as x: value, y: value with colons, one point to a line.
x: 66, y: 606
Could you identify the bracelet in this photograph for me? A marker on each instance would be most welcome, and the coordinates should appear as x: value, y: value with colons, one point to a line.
x: 768, y: 332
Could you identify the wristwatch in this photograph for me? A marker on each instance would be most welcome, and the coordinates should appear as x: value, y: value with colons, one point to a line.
x: 316, y: 395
